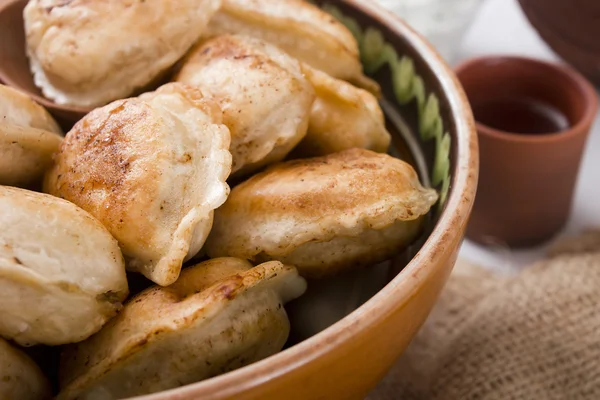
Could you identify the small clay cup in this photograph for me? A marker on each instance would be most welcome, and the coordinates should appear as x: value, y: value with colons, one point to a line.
x: 526, y: 181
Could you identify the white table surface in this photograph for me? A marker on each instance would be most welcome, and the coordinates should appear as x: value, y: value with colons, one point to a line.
x: 500, y: 27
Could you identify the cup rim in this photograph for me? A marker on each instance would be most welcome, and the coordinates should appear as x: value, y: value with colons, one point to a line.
x: 587, y: 90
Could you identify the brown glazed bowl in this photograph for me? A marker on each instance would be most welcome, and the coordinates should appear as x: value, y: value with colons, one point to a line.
x: 571, y: 29
x: 357, y: 325
x: 527, y: 180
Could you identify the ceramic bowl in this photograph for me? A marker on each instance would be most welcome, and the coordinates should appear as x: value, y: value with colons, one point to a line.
x: 348, y: 331
x: 571, y: 29
x: 517, y: 205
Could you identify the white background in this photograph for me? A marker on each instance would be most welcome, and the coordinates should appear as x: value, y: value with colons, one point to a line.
x: 500, y: 27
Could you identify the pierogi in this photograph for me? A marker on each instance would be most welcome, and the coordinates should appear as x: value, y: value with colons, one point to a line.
x: 301, y: 29
x: 88, y: 53
x: 21, y: 377
x: 266, y: 99
x: 342, y: 117
x: 220, y: 315
x: 62, y: 274
x: 152, y: 169
x: 29, y: 137
x: 323, y: 214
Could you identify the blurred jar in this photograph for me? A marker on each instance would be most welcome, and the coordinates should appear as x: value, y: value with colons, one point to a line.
x: 442, y: 22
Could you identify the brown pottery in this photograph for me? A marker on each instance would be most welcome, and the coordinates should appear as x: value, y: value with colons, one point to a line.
x: 356, y: 344
x: 527, y: 178
x: 571, y: 28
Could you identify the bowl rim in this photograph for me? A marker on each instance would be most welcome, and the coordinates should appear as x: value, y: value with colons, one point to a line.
x: 404, y: 285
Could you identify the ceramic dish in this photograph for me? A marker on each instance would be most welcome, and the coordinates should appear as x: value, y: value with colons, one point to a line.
x: 570, y: 30
x: 365, y: 319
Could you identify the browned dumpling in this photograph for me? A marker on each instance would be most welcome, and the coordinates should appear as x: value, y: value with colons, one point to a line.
x: 88, y: 53
x: 152, y: 169
x: 266, y: 99
x: 220, y: 315
x: 29, y: 137
x: 21, y: 377
x: 324, y: 214
x: 62, y: 275
x: 299, y: 28
x: 342, y: 117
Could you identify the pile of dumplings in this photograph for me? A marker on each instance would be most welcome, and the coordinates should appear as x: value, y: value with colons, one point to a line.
x: 259, y: 166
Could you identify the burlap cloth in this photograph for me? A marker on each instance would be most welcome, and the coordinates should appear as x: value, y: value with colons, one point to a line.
x: 532, y: 335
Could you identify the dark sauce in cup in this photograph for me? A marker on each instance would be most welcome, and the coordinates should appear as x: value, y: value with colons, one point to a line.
x: 525, y: 116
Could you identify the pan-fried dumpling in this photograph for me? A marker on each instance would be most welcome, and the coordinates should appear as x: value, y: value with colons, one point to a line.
x: 62, y: 275
x: 21, y: 377
x: 266, y: 99
x: 28, y: 138
x: 88, y: 53
x: 220, y: 315
x: 324, y: 214
x: 342, y: 117
x: 152, y: 169
x: 299, y: 28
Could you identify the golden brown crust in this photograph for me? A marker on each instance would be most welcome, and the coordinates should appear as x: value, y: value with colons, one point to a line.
x: 301, y: 29
x: 342, y: 117
x: 151, y: 169
x: 88, y: 53
x: 218, y: 311
x: 321, y: 187
x: 264, y: 95
x: 317, y: 200
x: 111, y: 146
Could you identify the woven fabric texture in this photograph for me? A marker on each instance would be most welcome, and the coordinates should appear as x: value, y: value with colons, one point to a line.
x: 533, y: 335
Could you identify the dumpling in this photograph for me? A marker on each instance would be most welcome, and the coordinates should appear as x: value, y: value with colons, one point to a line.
x: 342, y: 117
x: 16, y: 108
x: 62, y: 275
x: 152, y: 169
x: 266, y: 99
x: 324, y: 214
x: 88, y: 53
x: 21, y: 377
x: 299, y: 28
x: 220, y: 315
x: 29, y: 137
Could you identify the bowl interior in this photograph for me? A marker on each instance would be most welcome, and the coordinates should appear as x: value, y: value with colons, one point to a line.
x: 418, y: 117
x: 433, y: 128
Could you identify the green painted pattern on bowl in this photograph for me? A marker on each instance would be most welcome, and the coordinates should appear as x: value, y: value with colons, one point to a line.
x: 408, y: 86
